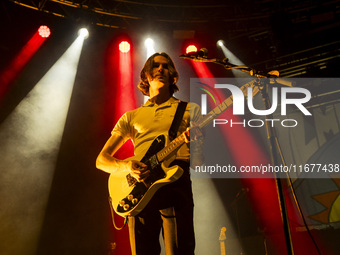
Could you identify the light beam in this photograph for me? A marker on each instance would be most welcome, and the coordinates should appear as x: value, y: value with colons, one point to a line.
x: 149, y: 44
x: 12, y: 71
x: 232, y: 58
x: 30, y: 139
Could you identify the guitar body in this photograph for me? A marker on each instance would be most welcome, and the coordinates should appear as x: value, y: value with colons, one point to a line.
x: 130, y: 197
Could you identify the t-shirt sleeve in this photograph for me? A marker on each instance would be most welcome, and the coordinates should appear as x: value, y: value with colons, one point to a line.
x: 122, y: 127
x: 195, y: 112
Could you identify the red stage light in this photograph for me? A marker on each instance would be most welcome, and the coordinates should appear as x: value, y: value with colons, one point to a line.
x: 191, y: 48
x: 124, y: 47
x: 119, y: 97
x: 9, y: 74
x: 44, y: 31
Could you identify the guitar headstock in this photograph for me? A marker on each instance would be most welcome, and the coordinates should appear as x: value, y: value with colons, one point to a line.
x: 222, y: 234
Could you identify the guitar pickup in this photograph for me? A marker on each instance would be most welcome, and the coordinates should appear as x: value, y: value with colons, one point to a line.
x: 153, y: 161
x: 130, y: 180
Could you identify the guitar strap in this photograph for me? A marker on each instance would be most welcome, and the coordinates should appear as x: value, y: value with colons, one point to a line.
x: 177, y: 120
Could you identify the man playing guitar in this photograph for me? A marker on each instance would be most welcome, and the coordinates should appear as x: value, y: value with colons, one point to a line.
x: 171, y: 207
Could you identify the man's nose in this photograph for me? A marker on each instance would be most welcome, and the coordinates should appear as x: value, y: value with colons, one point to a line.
x: 160, y: 68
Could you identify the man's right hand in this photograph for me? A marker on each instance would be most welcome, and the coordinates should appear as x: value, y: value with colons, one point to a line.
x: 138, y: 170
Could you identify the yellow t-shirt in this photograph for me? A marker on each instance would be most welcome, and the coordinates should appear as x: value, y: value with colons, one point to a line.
x: 145, y: 123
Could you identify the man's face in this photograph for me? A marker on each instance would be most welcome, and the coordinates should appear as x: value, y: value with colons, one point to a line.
x: 159, y: 76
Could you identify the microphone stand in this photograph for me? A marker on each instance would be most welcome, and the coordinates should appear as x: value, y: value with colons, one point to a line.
x: 274, y: 149
x: 271, y: 134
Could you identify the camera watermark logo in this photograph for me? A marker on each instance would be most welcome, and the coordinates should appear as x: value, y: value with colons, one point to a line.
x: 244, y: 96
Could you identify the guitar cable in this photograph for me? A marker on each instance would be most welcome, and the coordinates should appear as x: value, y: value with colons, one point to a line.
x: 113, y: 217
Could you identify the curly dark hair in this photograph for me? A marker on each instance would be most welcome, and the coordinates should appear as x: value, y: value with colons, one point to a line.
x: 144, y: 85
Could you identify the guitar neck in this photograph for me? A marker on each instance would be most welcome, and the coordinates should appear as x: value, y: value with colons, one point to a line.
x: 222, y: 246
x: 180, y: 140
x: 173, y: 146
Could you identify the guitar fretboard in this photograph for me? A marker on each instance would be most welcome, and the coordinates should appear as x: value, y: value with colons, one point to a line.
x: 180, y: 140
x: 174, y: 145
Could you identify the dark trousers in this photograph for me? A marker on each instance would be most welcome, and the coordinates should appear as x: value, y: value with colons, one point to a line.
x: 170, y: 210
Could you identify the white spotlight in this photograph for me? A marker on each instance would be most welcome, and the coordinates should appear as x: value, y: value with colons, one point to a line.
x: 232, y: 59
x: 220, y: 43
x: 83, y: 32
x: 37, y: 123
x: 149, y: 43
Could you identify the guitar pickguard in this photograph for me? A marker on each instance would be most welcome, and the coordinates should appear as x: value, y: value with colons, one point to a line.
x: 150, y: 159
x: 156, y: 173
x: 156, y: 146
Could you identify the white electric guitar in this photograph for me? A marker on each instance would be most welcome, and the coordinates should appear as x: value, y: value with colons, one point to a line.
x: 128, y: 196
